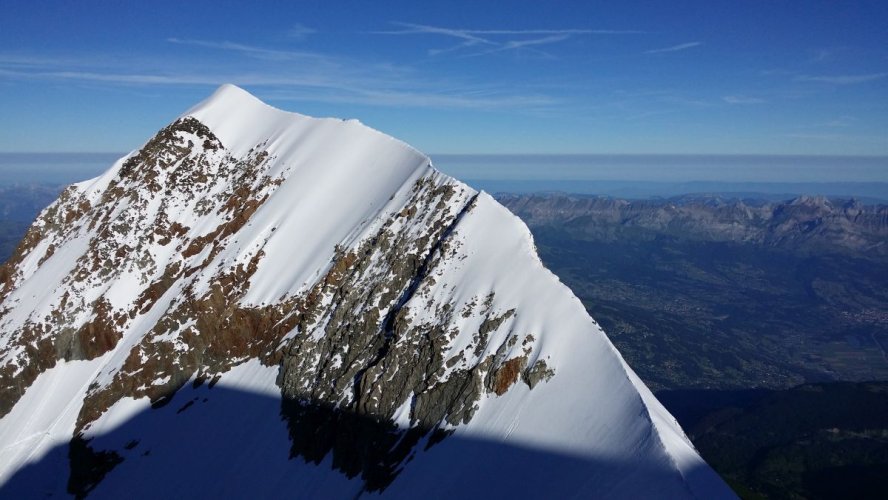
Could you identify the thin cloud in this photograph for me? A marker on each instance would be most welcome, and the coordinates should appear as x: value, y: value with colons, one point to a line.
x: 818, y: 137
x: 485, y: 37
x: 311, y: 77
x: 685, y: 101
x: 840, y: 122
x: 418, y: 29
x: 412, y: 29
x: 742, y: 99
x: 300, y: 31
x: 160, y: 79
x: 26, y: 61
x: 468, y: 39
x: 777, y: 72
x: 823, y: 55
x: 517, y: 44
x: 249, y: 50
x: 526, y: 44
x: 419, y: 99
x: 675, y: 48
x: 557, y: 32
x: 842, y: 79
x: 861, y: 139
x: 649, y: 114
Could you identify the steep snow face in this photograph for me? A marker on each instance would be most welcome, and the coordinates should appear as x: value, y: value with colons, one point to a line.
x: 399, y: 323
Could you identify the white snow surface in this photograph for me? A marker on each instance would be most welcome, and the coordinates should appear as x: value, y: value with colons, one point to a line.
x: 44, y: 417
x: 593, y: 429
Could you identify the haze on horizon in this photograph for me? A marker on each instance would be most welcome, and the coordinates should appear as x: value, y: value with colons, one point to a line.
x: 698, y: 78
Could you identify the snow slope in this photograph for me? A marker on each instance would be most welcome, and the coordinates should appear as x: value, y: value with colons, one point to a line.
x: 328, y: 314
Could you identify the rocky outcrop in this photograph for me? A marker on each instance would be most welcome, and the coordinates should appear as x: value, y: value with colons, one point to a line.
x: 183, y: 165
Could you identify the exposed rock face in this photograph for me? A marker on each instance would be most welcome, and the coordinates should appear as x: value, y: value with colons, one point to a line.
x: 814, y: 224
x: 203, y: 251
x: 131, y: 223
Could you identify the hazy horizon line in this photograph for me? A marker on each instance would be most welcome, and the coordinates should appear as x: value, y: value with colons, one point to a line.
x: 467, y: 155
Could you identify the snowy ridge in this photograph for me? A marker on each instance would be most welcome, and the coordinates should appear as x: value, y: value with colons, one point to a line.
x: 326, y: 272
x: 369, y: 167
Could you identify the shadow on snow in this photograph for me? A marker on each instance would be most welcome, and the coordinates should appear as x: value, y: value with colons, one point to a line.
x: 218, y: 442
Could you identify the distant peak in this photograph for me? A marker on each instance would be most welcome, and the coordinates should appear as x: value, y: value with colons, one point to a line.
x: 812, y: 201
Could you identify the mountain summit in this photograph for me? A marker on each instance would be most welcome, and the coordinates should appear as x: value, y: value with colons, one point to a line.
x: 260, y: 304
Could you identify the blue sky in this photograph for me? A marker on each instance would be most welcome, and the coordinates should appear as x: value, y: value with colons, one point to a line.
x: 709, y: 77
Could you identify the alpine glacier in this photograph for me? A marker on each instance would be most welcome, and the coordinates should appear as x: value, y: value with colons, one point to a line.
x: 257, y: 303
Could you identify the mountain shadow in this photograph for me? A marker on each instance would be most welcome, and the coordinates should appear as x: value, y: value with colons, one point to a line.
x: 221, y: 442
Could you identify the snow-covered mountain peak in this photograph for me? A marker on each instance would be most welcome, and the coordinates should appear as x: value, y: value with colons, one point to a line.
x: 228, y: 97
x: 402, y: 322
x: 241, y: 121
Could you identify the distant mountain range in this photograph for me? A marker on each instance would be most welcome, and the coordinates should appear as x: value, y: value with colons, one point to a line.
x: 867, y: 192
x: 803, y: 224
x: 708, y: 292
